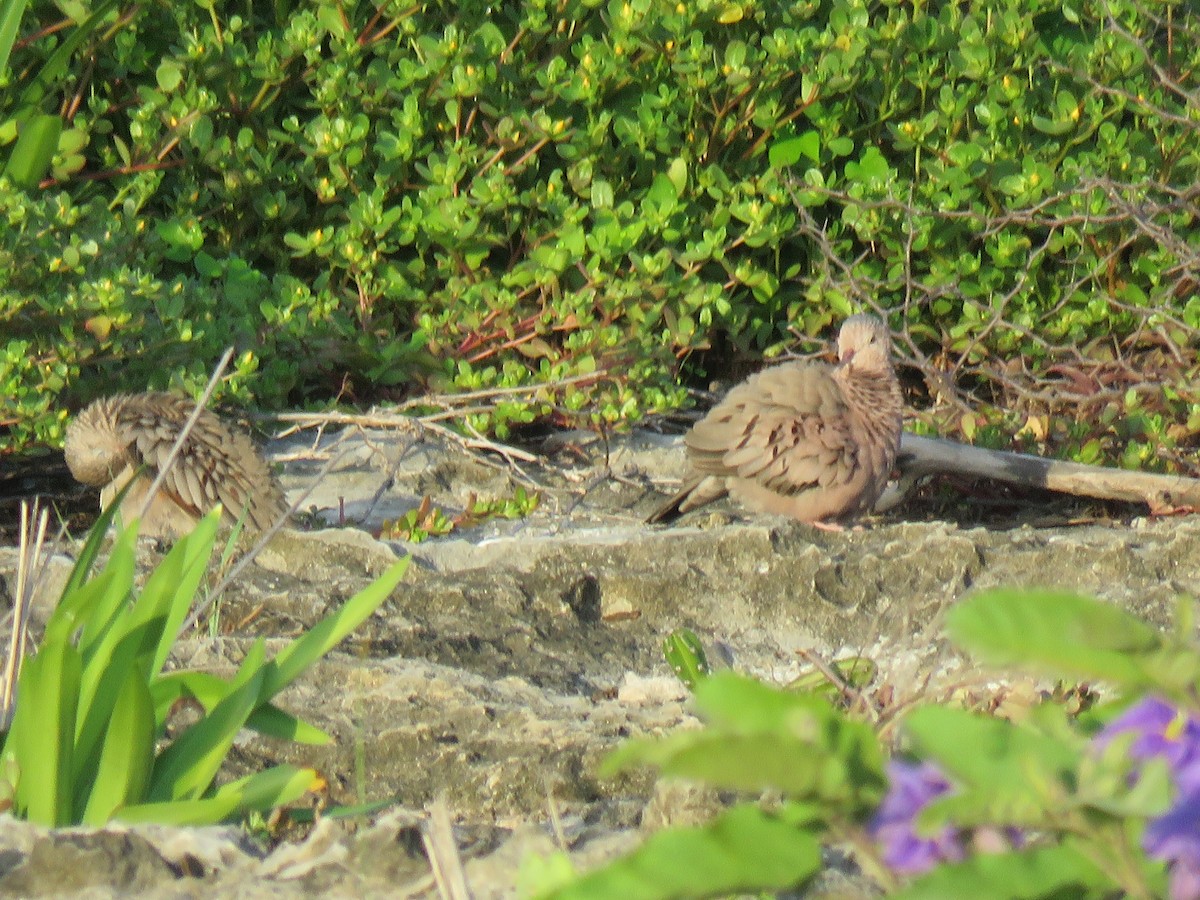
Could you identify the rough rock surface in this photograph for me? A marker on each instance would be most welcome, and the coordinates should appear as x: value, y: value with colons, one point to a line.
x: 517, y: 652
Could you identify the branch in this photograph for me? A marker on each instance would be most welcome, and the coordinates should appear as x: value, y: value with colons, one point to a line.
x: 921, y: 456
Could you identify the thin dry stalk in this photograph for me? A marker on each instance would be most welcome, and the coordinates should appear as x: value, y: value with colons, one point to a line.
x: 187, y: 429
x: 30, y: 566
x: 442, y: 850
x: 263, y: 539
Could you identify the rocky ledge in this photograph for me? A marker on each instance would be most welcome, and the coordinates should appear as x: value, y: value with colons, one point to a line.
x: 516, y: 653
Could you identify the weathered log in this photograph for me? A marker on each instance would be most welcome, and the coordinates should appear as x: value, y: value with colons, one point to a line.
x: 922, y: 456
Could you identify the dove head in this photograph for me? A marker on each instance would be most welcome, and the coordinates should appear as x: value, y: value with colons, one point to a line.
x: 865, y: 346
x: 93, y: 448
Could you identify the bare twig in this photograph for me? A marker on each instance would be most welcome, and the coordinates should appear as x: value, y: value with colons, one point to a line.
x: 386, y: 420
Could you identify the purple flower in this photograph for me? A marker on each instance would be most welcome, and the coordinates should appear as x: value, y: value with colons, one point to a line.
x: 1164, y: 731
x: 913, y: 786
x: 1175, y: 837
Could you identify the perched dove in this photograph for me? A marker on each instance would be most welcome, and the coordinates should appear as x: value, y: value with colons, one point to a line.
x: 805, y: 440
x: 110, y: 440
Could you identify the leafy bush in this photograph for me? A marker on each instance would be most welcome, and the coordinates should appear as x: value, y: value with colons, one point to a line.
x: 86, y: 742
x: 472, y: 195
x: 1100, y: 804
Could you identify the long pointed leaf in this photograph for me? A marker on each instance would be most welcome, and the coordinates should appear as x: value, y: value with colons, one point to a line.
x: 185, y: 770
x: 208, y: 690
x: 277, y: 786
x: 196, y: 550
x: 120, y: 568
x: 329, y: 632
x: 208, y: 811
x: 43, y: 733
x: 127, y: 757
x: 95, y: 539
x: 101, y: 694
x: 11, y: 12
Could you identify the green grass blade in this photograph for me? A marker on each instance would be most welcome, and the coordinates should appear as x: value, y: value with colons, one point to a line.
x: 208, y: 690
x: 43, y: 734
x: 271, y: 721
x: 11, y: 12
x: 79, y: 606
x: 154, y: 616
x: 195, y: 551
x: 127, y: 756
x: 185, y: 769
x: 277, y: 786
x: 119, y: 569
x: 95, y: 539
x: 208, y: 811
x: 101, y: 694
x: 329, y: 632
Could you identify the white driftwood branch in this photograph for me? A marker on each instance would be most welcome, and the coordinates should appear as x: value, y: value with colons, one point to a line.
x: 921, y: 456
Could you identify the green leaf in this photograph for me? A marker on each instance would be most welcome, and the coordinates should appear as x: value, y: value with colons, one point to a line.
x: 168, y: 75
x: 36, y: 142
x: 208, y: 690
x: 761, y: 737
x: 677, y: 172
x: 743, y: 850
x: 94, y: 607
x: 195, y: 551
x: 102, y: 684
x: 1005, y: 772
x: 127, y: 756
x: 181, y: 812
x: 11, y: 12
x: 685, y: 655
x: 787, y: 152
x: 1048, y: 872
x: 275, y: 787
x: 297, y: 656
x: 95, y: 539
x: 43, y: 734
x: 1061, y: 633
x: 185, y: 770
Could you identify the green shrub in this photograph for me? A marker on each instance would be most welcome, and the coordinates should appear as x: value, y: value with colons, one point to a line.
x: 469, y: 196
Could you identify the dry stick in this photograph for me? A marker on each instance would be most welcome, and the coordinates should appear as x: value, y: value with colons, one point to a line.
x: 187, y: 429
x: 224, y: 583
x: 921, y: 456
x: 442, y: 851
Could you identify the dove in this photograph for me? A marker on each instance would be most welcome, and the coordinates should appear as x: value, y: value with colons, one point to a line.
x: 803, y: 439
x: 110, y: 440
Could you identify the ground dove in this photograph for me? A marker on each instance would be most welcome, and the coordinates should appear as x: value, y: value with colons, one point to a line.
x: 112, y: 438
x: 806, y: 440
